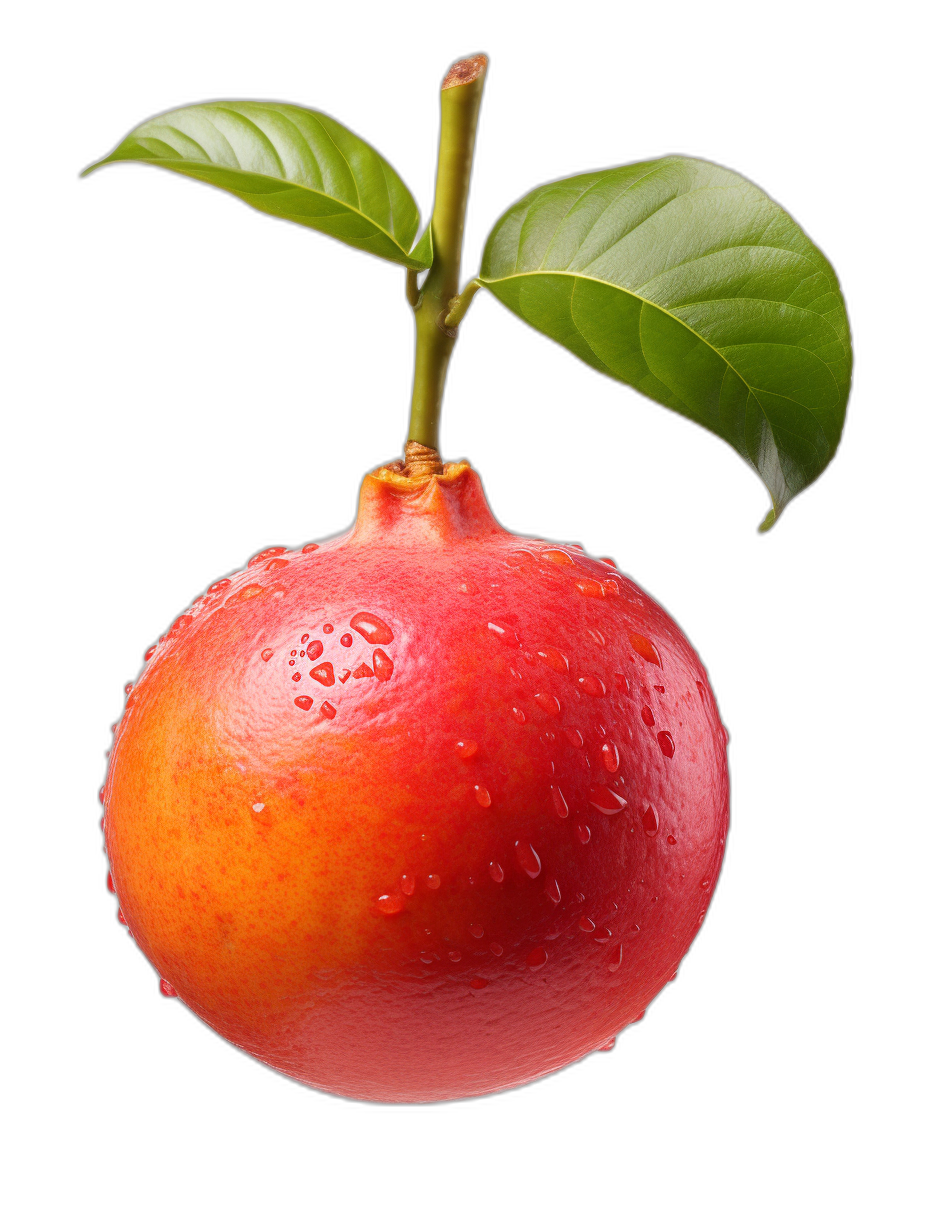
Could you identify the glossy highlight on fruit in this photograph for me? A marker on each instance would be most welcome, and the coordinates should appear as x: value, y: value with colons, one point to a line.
x: 428, y: 811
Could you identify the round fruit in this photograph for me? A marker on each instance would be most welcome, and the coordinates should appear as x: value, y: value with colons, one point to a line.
x: 425, y: 812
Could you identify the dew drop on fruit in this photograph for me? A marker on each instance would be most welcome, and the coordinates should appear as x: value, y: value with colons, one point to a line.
x: 408, y: 884
x: 647, y: 715
x: 383, y: 665
x: 327, y: 710
x: 150, y: 651
x: 554, y: 659
x: 296, y: 677
x: 597, y: 637
x: 587, y: 925
x: 615, y: 960
x: 266, y: 555
x: 324, y: 673
x: 608, y: 1046
x: 167, y: 990
x: 519, y: 558
x: 309, y: 547
x: 267, y: 654
x: 466, y: 749
x: 592, y: 686
x: 346, y: 639
x: 120, y: 917
x: 646, y: 649
x: 621, y: 684
x: 610, y: 756
x: 537, y: 958
x: 574, y: 737
x: 602, y: 934
x: 344, y: 674
x: 528, y: 858
x: 556, y: 556
x: 558, y: 803
x: 665, y: 741
x: 496, y: 949
x: 518, y: 715
x: 314, y: 650
x: 607, y: 801
x: 671, y: 840
x: 433, y: 881
x: 582, y: 832
x: 109, y: 883
x: 304, y: 639
x: 127, y: 689
x: 650, y: 822
x: 220, y: 585
x: 390, y: 904
x: 496, y: 871
x: 548, y: 703
x: 303, y: 702
x: 483, y: 797
x: 454, y: 956
x: 328, y: 628
x: 275, y: 564
x: 475, y: 930
x: 246, y: 593
x: 590, y: 588
x: 478, y: 982
x: 503, y: 632
x: 362, y: 671
x: 258, y: 808
x: 372, y: 628
x: 552, y: 889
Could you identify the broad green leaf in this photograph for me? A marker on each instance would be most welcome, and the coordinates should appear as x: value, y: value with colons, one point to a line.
x: 423, y: 253
x: 687, y: 282
x: 288, y: 161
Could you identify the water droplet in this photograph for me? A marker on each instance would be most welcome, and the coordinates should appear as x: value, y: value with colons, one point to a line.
x: 646, y: 649
x: 390, y: 904
x: 496, y: 871
x: 602, y: 934
x: 555, y: 556
x: 615, y: 960
x: 314, y: 650
x: 466, y: 749
x: 296, y: 676
x: 548, y: 703
x: 109, y: 883
x: 475, y: 930
x: 266, y: 555
x: 304, y: 639
x: 454, y: 955
x: 610, y: 755
x: 665, y: 740
x: 528, y: 858
x: 258, y: 807
x: 150, y: 651
x: 276, y: 564
x: 346, y: 639
x: 592, y: 686
x: 558, y: 802
x: 328, y: 628
x: 518, y: 715
x: 647, y: 715
x: 120, y: 917
x: 309, y: 547
x: 552, y: 889
x: 496, y: 948
x: 671, y: 840
x: 324, y: 673
x: 607, y: 560
x: 166, y: 989
x: 582, y: 832
x: 362, y: 671
x: 483, y: 796
x: 621, y: 684
x: 266, y: 653
x: 650, y: 821
x: 433, y: 881
x: 587, y: 925
x: 503, y: 632
x: 127, y: 689
x: 220, y: 585
x: 705, y: 884
x: 574, y: 737
x: 303, y: 702
x: 537, y: 958
x: 597, y: 637
x: 408, y: 884
x: 477, y: 982
x: 554, y: 659
x: 659, y: 688
x: 327, y: 710
x: 246, y: 593
x: 291, y: 662
x: 590, y: 588
x: 608, y: 802
x: 372, y: 628
x: 344, y: 674
x: 519, y: 558
x: 383, y: 665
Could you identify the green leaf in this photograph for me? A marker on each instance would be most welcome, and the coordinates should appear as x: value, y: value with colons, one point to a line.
x: 287, y: 161
x: 423, y: 253
x: 687, y: 282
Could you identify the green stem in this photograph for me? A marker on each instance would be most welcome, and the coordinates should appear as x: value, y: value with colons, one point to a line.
x: 460, y: 104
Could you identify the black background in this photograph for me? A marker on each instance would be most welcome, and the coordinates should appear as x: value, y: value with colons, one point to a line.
x: 238, y: 375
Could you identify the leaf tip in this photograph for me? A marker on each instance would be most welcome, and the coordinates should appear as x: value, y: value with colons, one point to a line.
x: 768, y: 521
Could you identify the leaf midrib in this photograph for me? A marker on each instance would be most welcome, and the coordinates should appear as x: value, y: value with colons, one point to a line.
x: 615, y: 287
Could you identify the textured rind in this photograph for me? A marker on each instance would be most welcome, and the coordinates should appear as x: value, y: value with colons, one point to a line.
x: 266, y: 921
